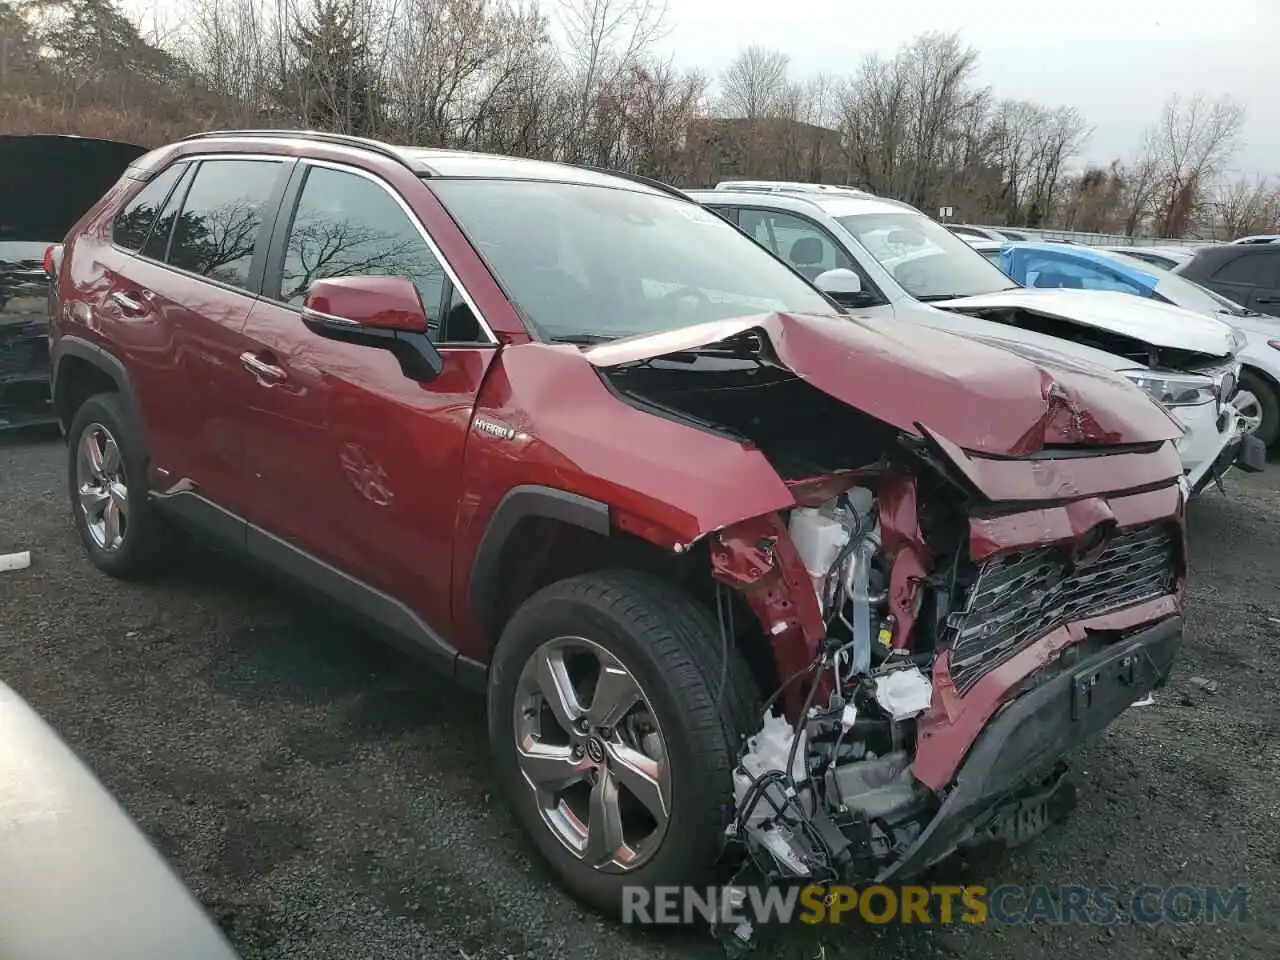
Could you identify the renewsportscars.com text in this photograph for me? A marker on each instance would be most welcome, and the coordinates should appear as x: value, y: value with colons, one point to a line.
x: 939, y: 904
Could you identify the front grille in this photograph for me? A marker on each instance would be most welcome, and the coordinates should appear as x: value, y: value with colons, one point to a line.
x: 1018, y: 598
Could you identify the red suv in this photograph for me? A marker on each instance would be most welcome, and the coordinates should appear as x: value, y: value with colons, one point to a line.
x: 594, y: 451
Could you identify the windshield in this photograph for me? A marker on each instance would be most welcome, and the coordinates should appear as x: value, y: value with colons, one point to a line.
x: 591, y: 262
x: 927, y: 259
x: 1189, y: 294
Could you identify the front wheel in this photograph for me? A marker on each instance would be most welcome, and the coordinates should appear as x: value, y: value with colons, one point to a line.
x: 1259, y: 405
x: 615, y: 724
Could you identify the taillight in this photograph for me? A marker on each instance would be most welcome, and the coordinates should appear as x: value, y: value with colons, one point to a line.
x: 53, y: 260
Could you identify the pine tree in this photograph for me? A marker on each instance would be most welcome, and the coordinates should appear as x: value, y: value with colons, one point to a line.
x: 335, y: 79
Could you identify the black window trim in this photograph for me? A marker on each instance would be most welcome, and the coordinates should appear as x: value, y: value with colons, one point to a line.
x: 270, y: 210
x: 273, y: 261
x: 183, y: 185
x: 726, y: 210
x: 868, y: 284
x: 180, y: 162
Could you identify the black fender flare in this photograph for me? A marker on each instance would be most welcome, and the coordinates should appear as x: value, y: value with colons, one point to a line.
x: 520, y: 503
x: 91, y: 353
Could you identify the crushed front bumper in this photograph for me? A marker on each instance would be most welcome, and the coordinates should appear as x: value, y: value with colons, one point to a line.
x: 1246, y: 452
x: 1210, y: 431
x: 1035, y: 730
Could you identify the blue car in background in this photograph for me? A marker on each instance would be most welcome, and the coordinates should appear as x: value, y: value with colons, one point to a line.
x: 1089, y: 268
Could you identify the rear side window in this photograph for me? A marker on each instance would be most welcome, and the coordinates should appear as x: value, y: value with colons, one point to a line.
x: 157, y: 245
x: 221, y: 219
x: 1246, y: 269
x: 132, y: 224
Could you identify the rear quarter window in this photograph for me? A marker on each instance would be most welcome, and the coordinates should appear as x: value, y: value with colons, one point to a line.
x: 131, y: 225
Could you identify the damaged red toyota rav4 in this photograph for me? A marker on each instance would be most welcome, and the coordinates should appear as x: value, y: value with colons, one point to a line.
x: 597, y: 452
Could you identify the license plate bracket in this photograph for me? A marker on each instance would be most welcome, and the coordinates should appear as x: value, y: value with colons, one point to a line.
x: 1127, y: 668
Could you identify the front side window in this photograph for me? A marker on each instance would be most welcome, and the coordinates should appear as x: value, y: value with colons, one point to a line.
x: 345, y: 225
x: 585, y: 262
x: 131, y: 225
x: 222, y: 216
x: 927, y: 259
x: 800, y: 242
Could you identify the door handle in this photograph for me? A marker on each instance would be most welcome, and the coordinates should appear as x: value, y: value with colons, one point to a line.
x: 128, y: 303
x: 1266, y: 299
x: 268, y: 373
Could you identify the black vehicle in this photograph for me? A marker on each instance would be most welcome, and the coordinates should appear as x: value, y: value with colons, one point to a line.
x: 1248, y: 273
x: 77, y: 877
x: 46, y: 184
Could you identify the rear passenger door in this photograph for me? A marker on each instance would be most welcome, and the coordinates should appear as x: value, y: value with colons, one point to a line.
x: 347, y: 458
x: 1241, y: 276
x: 186, y: 264
x: 1265, y: 297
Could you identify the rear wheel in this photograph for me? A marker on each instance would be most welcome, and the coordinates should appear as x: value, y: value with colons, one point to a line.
x: 118, y: 524
x: 615, y: 723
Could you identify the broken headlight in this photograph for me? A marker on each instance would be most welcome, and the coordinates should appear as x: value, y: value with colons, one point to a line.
x: 1174, y: 389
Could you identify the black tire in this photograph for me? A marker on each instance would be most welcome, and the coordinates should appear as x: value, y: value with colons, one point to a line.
x: 672, y: 646
x: 1269, y: 430
x: 145, y: 539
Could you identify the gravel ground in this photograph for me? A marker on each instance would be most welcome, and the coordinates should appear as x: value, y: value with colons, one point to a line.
x: 327, y: 799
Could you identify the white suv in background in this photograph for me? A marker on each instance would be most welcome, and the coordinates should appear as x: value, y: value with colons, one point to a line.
x: 884, y: 258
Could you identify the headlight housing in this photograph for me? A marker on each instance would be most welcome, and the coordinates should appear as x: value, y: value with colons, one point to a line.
x: 1174, y: 389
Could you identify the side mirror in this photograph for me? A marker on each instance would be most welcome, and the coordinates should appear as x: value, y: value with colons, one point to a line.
x: 385, y: 312
x: 843, y: 286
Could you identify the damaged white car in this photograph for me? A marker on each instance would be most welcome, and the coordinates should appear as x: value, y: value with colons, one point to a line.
x: 883, y: 258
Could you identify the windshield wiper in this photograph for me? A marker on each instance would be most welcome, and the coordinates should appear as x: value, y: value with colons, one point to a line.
x: 586, y: 339
x: 934, y: 297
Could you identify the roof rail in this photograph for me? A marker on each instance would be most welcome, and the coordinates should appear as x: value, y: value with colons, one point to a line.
x: 637, y: 178
x: 320, y: 136
x: 788, y: 186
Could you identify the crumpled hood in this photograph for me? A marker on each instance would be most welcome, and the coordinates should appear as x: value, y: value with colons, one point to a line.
x: 1159, y: 324
x: 981, y: 398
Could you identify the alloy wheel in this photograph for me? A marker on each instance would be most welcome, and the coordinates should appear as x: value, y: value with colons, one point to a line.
x: 592, y: 753
x: 1250, y: 409
x: 101, y: 487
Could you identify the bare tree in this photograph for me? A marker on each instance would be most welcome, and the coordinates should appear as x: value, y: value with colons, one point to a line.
x: 1058, y: 136
x: 1190, y: 144
x: 606, y: 40
x: 756, y: 84
x: 1247, y: 205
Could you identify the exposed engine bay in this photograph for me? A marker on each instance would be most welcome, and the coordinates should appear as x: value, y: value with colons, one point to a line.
x: 833, y: 798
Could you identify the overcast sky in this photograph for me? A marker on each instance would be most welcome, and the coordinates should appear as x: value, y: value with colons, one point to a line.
x: 1115, y: 60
